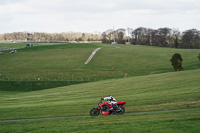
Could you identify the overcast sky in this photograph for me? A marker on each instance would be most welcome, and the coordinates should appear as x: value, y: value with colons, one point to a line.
x: 96, y: 15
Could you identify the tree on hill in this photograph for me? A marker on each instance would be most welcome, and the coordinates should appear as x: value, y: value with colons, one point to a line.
x: 83, y: 37
x: 120, y: 35
x: 44, y: 37
x: 104, y: 37
x: 163, y: 36
x: 177, y: 62
x: 176, y: 42
x: 191, y: 39
x: 141, y: 36
x: 198, y: 57
x: 107, y: 36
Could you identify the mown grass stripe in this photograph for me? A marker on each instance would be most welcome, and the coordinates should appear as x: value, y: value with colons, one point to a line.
x: 136, y: 113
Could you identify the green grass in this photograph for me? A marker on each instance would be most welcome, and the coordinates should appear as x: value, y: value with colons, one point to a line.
x: 15, y: 45
x: 176, y: 90
x: 25, y: 86
x: 67, y: 61
x: 151, y: 85
x: 57, y: 61
x: 176, y: 122
x: 11, y: 45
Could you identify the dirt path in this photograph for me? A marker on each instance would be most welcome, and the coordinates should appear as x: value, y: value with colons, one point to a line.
x: 151, y: 112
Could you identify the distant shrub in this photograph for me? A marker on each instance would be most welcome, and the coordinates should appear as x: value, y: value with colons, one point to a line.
x: 34, y: 85
x: 198, y: 57
x: 177, y: 62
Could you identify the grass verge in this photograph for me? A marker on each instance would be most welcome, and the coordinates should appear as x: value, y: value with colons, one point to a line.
x: 177, y: 122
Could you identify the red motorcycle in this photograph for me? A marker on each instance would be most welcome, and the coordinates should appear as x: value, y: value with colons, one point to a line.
x: 106, y: 109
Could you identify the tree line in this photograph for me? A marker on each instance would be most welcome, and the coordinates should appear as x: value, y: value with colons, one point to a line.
x: 49, y: 37
x: 163, y: 37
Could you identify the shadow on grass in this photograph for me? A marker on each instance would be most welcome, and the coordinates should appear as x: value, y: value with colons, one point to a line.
x: 25, y: 86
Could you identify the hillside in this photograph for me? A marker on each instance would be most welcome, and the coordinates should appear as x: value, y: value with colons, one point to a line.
x: 175, y: 90
x: 150, y: 85
x: 66, y: 62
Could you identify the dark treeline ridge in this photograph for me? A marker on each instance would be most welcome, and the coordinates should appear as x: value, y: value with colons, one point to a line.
x: 49, y: 37
x: 163, y: 37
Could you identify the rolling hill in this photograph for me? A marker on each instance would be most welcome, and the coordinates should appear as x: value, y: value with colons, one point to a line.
x: 150, y: 85
x: 66, y: 61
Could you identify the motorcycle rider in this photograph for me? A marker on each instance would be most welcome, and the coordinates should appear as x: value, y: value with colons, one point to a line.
x: 111, y: 100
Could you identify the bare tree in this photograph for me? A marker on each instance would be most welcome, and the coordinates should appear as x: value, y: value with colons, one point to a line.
x: 191, y: 39
x: 141, y: 36
x: 120, y: 35
x: 163, y: 36
x: 107, y: 36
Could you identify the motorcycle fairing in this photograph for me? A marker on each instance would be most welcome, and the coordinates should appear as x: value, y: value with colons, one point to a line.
x: 105, y: 103
x: 121, y: 103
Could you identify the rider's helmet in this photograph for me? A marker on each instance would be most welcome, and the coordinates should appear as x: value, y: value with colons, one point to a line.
x: 108, y: 96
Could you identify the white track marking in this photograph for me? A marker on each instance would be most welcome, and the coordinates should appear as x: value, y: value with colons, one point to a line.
x: 116, y: 47
x: 92, y: 55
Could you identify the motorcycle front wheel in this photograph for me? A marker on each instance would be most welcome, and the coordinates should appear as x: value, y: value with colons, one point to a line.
x: 122, y: 110
x: 94, y: 112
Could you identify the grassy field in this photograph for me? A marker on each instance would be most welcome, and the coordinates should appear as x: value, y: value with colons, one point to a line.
x: 169, y: 91
x: 15, y: 45
x: 63, y: 63
x: 11, y: 45
x: 67, y: 61
x: 176, y: 122
x: 176, y: 90
x: 150, y: 85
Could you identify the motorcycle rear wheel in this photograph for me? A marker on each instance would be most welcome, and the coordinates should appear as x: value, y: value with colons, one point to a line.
x: 94, y: 112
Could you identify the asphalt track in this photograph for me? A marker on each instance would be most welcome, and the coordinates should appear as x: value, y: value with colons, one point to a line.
x: 136, y: 113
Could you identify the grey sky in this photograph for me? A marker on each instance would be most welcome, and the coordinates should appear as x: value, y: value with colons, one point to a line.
x: 96, y: 15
